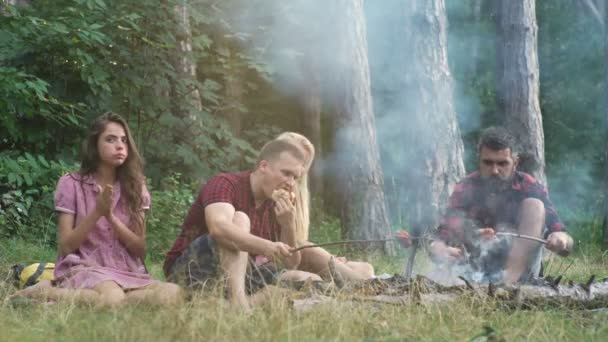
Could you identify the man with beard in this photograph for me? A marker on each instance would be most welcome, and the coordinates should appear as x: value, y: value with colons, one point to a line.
x: 498, y: 198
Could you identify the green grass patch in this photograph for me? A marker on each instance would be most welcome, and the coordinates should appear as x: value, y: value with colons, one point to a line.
x: 208, y: 317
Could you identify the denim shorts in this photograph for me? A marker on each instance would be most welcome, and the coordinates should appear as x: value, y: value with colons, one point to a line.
x: 199, y: 267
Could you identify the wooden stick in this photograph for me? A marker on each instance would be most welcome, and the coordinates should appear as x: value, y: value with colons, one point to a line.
x: 345, y: 242
x: 521, y: 236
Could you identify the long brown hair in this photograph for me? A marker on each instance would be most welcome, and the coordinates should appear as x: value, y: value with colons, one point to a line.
x: 302, y: 193
x: 130, y: 173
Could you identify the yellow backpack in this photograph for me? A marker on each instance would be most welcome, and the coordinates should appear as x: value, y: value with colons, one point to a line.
x: 29, y: 275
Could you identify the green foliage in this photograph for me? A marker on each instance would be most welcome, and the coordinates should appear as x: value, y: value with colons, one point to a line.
x: 27, y: 183
x: 64, y: 62
x: 166, y: 215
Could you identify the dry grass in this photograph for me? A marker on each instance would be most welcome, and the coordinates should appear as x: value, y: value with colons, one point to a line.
x: 208, y: 318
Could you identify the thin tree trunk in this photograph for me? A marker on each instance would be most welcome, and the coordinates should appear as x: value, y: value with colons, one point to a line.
x: 184, y: 66
x: 363, y: 212
x: 476, y: 18
x: 311, y: 121
x: 605, y: 211
x: 430, y: 128
x: 233, y: 88
x: 519, y: 83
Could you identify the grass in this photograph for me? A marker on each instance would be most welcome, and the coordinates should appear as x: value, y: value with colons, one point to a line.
x: 207, y: 317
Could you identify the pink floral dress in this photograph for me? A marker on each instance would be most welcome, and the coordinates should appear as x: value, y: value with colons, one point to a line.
x: 101, y: 256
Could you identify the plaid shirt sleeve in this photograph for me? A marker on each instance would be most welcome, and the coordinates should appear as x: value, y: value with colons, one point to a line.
x: 451, y: 228
x: 218, y: 189
x: 534, y: 189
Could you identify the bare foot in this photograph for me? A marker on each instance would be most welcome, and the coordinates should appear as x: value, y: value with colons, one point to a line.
x: 39, y: 290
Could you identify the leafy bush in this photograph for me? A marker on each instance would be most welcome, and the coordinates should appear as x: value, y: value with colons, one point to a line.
x: 27, y: 183
x: 164, y: 220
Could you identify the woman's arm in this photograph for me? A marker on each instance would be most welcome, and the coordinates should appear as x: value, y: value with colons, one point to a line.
x: 135, y: 243
x: 70, y: 237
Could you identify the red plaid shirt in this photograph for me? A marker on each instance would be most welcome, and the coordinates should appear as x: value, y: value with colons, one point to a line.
x: 233, y: 188
x: 469, y: 208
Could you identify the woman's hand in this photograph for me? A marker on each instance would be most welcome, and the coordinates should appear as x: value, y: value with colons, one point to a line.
x: 103, y: 204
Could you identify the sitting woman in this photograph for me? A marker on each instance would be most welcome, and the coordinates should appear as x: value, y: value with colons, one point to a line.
x: 316, y: 259
x: 102, y: 232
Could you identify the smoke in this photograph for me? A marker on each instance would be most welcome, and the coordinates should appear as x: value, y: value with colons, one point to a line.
x: 284, y: 36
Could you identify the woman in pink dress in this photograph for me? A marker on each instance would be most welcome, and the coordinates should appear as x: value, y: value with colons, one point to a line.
x: 101, y: 223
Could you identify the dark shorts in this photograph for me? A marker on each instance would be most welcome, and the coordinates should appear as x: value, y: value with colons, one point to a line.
x: 199, y: 267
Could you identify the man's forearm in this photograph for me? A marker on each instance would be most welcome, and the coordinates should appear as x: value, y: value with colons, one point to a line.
x: 288, y: 236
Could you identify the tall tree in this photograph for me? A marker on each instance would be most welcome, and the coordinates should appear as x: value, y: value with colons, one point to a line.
x: 311, y: 119
x: 184, y: 65
x: 518, y: 82
x: 363, y: 212
x: 433, y: 137
x: 605, y: 213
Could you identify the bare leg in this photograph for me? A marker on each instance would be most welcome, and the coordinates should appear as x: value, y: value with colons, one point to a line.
x: 315, y: 260
x: 109, y: 294
x: 294, y: 275
x: 161, y: 293
x: 531, y: 222
x: 268, y: 293
x: 234, y: 265
x: 363, y: 268
x: 45, y: 291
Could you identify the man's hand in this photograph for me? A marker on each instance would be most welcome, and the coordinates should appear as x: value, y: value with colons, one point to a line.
x: 486, y: 233
x: 284, y: 211
x: 444, y: 253
x: 560, y: 243
x: 277, y: 250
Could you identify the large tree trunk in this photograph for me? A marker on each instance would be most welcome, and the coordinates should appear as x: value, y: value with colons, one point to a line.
x: 363, y: 212
x: 430, y: 130
x: 518, y: 82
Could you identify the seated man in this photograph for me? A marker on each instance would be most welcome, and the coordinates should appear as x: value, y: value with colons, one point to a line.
x: 499, y: 198
x: 234, y: 216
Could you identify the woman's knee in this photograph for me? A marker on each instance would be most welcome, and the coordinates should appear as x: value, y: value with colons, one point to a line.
x: 110, y: 294
x: 170, y: 294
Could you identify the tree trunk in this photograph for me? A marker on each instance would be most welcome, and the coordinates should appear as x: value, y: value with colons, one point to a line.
x: 605, y: 213
x: 233, y: 89
x: 311, y: 121
x: 184, y: 66
x: 518, y: 89
x: 429, y: 127
x: 363, y: 212
x: 475, y: 40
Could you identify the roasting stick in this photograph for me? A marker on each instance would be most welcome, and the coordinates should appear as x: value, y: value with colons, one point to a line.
x: 346, y: 242
x: 521, y: 236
